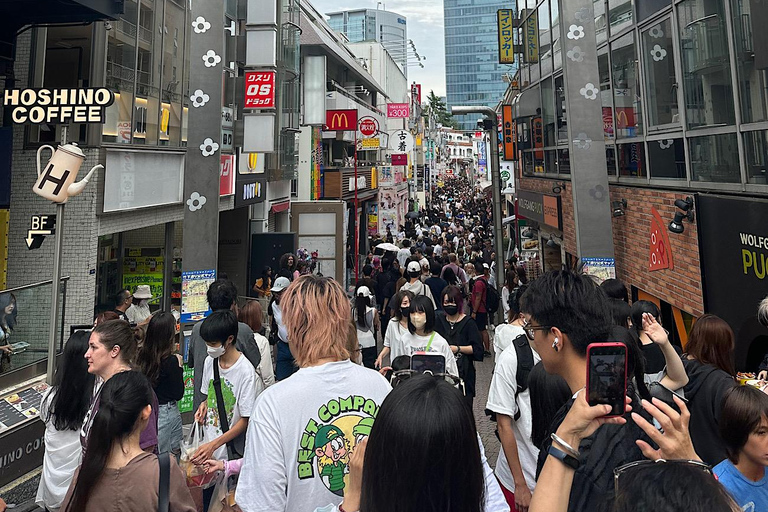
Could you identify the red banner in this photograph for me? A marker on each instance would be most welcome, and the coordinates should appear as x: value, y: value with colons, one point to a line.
x: 399, y: 159
x: 341, y: 120
x: 259, y: 89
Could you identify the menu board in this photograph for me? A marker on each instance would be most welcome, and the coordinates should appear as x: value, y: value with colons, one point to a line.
x: 21, y: 405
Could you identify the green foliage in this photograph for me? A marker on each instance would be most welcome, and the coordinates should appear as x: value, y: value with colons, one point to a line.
x: 437, y: 107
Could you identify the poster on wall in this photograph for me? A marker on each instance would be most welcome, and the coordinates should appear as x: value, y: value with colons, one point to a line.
x: 148, y: 270
x: 187, y: 401
x: 373, y: 219
x: 600, y: 268
x: 194, y: 287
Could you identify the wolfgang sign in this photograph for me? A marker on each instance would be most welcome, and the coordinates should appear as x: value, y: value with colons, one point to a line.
x: 539, y: 207
x: 58, y: 106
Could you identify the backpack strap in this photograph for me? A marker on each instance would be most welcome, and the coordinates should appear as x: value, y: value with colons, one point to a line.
x: 431, y: 339
x: 163, y: 487
x: 223, y: 420
x: 525, y: 364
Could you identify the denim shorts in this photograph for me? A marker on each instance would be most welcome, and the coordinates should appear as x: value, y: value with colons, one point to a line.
x: 169, y: 429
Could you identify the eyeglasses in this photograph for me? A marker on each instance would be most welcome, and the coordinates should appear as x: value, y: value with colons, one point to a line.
x: 530, y: 330
x: 403, y: 375
x: 621, y: 470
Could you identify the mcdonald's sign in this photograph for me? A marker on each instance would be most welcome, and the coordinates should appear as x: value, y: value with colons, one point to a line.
x: 341, y: 120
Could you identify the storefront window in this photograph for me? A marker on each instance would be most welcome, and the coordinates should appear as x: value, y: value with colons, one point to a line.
x: 626, y: 88
x: 563, y: 161
x: 528, y: 163
x: 715, y: 158
x: 147, y: 109
x: 548, y: 112
x: 601, y: 22
x: 631, y: 159
x: 619, y: 14
x: 545, y: 39
x: 173, y: 69
x: 562, y: 120
x: 551, y: 161
x: 667, y: 158
x: 706, y: 68
x: 659, y: 62
x: 121, y: 67
x: 756, y: 149
x: 751, y: 60
x: 610, y: 159
x: 605, y: 92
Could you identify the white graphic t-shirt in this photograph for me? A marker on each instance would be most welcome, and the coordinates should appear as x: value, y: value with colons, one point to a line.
x: 413, y: 343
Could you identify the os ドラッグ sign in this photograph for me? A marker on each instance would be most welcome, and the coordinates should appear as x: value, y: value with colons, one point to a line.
x: 58, y: 105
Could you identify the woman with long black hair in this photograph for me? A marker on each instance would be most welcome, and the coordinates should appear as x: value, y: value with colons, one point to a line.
x: 116, y: 474
x: 367, y: 323
x: 164, y: 370
x: 62, y: 409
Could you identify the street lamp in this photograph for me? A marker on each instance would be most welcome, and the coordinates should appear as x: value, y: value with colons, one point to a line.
x: 492, y: 130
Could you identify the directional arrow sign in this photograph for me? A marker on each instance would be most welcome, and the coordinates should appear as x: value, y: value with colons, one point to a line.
x: 40, y: 227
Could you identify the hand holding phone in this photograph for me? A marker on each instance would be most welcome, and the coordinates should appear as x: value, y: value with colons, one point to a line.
x: 428, y: 362
x: 607, y: 376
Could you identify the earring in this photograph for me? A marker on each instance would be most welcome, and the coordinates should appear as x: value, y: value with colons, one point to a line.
x: 554, y: 345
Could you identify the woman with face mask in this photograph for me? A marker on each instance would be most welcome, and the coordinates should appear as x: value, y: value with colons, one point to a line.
x: 462, y: 335
x: 422, y: 337
x: 398, y: 327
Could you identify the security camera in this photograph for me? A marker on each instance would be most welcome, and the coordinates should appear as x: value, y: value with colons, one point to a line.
x: 107, y: 25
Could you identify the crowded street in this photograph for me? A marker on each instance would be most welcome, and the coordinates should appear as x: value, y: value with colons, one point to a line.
x: 437, y: 256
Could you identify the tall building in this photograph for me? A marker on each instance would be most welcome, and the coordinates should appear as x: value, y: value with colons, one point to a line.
x: 388, y: 28
x: 473, y: 75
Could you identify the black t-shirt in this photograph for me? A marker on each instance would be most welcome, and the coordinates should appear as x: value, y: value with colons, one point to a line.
x: 170, y: 384
x: 654, y: 357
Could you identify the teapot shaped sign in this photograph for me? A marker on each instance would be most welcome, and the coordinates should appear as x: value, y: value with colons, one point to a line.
x: 57, y: 181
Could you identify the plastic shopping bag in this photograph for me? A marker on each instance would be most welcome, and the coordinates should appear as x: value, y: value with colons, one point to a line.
x: 196, y: 476
x: 224, y: 496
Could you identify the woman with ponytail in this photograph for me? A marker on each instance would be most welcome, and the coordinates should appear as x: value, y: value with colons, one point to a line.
x: 116, y: 474
x: 367, y: 323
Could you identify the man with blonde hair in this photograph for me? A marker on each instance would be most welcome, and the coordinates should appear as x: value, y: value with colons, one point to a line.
x: 300, y: 424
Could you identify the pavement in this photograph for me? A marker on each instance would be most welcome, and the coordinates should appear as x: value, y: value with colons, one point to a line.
x: 485, y: 427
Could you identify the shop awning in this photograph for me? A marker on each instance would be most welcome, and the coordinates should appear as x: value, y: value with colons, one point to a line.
x: 280, y: 207
x: 485, y: 185
x: 525, y: 103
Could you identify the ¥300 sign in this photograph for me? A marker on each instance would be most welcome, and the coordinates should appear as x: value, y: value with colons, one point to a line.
x: 55, y: 106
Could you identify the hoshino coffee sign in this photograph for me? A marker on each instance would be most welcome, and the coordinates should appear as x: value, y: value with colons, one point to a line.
x: 58, y: 105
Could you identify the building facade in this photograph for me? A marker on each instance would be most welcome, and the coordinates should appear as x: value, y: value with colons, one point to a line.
x: 473, y: 75
x: 388, y: 28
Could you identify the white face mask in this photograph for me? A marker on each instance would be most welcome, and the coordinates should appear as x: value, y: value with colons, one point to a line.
x: 419, y: 321
x: 215, y: 352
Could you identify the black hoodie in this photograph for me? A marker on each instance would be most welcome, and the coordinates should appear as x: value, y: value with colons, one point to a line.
x: 705, y: 390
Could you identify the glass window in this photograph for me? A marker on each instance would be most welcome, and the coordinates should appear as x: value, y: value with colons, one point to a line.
x: 555, y: 31
x: 121, y: 72
x: 610, y: 159
x: 147, y: 102
x: 563, y: 161
x: 631, y: 159
x: 647, y: 7
x: 751, y: 62
x: 548, y: 112
x: 528, y: 163
x: 659, y: 61
x: 173, y: 68
x: 715, y: 158
x: 706, y: 68
x: 562, y: 119
x: 619, y: 14
x: 545, y: 39
x: 601, y: 22
x: 667, y: 158
x: 756, y: 148
x: 551, y: 158
x: 605, y: 91
x: 626, y: 88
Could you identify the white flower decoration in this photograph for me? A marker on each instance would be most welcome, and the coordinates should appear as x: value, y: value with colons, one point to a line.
x: 589, y: 91
x: 658, y: 53
x: 576, y: 54
x: 575, y: 32
x: 199, y: 98
x: 582, y: 14
x: 200, y: 25
x: 208, y: 147
x: 582, y: 141
x: 211, y: 59
x: 656, y: 32
x: 666, y: 144
x: 196, y: 201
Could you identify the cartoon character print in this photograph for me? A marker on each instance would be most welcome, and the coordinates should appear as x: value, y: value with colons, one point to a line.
x: 332, y: 450
x: 228, y: 395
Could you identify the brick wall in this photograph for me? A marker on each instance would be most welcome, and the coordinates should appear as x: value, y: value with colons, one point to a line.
x: 680, y: 286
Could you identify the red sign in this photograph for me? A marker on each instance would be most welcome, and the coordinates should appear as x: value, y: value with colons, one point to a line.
x: 660, y: 249
x: 416, y: 93
x: 398, y: 110
x: 400, y: 159
x: 227, y: 175
x: 368, y: 126
x: 340, y: 120
x: 259, y: 89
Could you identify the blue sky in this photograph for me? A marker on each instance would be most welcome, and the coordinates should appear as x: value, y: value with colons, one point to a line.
x: 425, y: 27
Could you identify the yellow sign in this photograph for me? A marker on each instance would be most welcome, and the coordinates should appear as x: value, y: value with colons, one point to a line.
x: 504, y: 19
x: 418, y: 140
x: 532, y: 38
x: 371, y: 143
x: 374, y: 178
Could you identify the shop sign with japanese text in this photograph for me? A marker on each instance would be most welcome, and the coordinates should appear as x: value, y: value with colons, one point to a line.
x: 259, y: 89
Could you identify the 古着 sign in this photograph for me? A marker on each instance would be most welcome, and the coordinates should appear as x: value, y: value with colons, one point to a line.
x: 58, y: 105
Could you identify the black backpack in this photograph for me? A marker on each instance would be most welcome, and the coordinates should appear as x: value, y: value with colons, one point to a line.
x: 525, y: 364
x: 491, y: 299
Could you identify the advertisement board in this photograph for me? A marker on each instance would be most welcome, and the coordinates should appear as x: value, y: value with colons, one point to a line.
x: 259, y: 89
x: 398, y: 110
x: 504, y: 18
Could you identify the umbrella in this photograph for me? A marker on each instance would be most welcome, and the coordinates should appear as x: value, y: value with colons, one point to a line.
x: 412, y: 215
x: 386, y: 246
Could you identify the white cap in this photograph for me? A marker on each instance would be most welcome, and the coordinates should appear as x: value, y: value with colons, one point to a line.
x: 364, y: 291
x: 413, y: 266
x: 281, y: 283
x: 142, y: 292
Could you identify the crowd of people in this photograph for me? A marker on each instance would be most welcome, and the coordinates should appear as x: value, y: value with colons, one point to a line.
x: 298, y: 411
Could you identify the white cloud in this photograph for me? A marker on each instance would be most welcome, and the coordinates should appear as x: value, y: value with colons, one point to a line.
x: 425, y: 27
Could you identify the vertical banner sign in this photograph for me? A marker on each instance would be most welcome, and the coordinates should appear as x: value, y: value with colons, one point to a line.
x: 259, y: 89
x: 532, y: 38
x: 416, y: 94
x: 508, y: 133
x: 316, y: 188
x: 201, y: 173
x: 586, y: 142
x: 504, y: 19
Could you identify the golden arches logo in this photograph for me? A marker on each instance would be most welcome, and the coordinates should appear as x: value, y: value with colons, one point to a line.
x: 165, y: 119
x: 336, y: 120
x: 253, y: 160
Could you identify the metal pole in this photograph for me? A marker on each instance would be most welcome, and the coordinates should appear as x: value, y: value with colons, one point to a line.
x: 55, y: 291
x: 357, y: 219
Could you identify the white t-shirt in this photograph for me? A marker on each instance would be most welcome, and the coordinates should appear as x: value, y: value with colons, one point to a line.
x: 414, y: 343
x: 238, y: 388
x: 503, y: 336
x: 366, y: 338
x: 394, y: 339
x: 501, y: 400
x: 505, y: 301
x: 282, y: 471
x: 265, y: 369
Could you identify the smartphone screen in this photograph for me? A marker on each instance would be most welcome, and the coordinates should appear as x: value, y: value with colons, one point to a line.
x: 607, y: 375
x: 428, y: 362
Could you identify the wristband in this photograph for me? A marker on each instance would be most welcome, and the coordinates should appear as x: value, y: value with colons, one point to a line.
x: 571, y: 462
x: 568, y: 448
